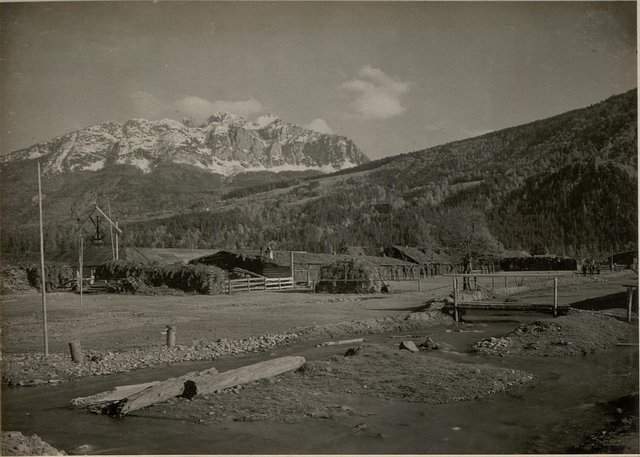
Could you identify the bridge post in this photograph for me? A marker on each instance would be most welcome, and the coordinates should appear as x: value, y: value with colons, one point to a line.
x: 555, y: 296
x: 455, y: 299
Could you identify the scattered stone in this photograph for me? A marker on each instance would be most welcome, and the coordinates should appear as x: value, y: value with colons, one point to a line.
x: 428, y: 345
x: 409, y: 345
x: 352, y: 351
x: 360, y: 427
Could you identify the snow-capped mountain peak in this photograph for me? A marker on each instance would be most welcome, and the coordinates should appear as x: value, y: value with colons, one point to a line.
x: 225, y: 144
x: 262, y: 121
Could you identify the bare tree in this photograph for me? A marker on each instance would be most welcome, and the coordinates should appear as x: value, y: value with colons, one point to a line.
x: 463, y: 232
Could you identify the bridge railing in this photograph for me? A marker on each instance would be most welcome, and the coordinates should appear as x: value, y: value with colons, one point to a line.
x: 472, y: 278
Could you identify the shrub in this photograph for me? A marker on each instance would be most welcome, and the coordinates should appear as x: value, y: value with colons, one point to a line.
x: 203, y: 279
x: 350, y: 276
x: 57, y: 275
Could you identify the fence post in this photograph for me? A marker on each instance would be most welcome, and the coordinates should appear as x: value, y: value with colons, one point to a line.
x: 76, y: 351
x: 555, y: 296
x: 248, y: 284
x: 171, y: 336
x: 455, y: 298
x: 279, y: 283
x: 629, y: 302
x: 419, y: 285
x: 228, y: 287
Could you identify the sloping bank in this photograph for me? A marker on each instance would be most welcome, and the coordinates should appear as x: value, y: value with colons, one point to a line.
x: 32, y: 369
x: 579, y: 333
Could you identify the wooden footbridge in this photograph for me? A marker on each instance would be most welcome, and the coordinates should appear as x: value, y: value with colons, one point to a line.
x: 459, y: 307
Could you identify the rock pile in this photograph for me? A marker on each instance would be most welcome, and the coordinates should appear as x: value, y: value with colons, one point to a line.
x: 15, y: 443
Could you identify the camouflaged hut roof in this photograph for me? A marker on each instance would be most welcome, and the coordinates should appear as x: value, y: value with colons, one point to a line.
x: 283, y: 258
x: 422, y: 256
x: 94, y: 255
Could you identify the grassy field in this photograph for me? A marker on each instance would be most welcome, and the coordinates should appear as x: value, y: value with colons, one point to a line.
x: 118, y: 322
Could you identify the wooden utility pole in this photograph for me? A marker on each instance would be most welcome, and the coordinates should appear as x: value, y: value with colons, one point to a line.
x: 117, y: 247
x: 113, y: 252
x: 43, y: 282
x: 81, y: 262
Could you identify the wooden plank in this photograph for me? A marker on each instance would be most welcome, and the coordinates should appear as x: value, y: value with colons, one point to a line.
x: 205, y: 383
x: 337, y: 343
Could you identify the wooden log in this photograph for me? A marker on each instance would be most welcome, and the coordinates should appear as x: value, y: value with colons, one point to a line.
x: 106, y: 402
x: 118, y: 393
x: 336, y: 343
x: 205, y: 383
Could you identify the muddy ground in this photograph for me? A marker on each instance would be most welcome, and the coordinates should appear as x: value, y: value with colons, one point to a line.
x: 123, y: 333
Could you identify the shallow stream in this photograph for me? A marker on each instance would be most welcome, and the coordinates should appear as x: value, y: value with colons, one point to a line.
x: 560, y: 408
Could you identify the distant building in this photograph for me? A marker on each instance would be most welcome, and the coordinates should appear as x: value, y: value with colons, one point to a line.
x: 538, y: 263
x: 241, y: 264
x: 624, y: 259
x: 432, y: 262
x: 309, y: 263
x: 96, y: 255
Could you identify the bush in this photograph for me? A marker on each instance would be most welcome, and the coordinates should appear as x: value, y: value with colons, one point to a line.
x: 57, y: 275
x: 349, y: 277
x: 203, y: 279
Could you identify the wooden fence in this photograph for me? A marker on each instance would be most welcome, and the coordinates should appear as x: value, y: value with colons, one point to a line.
x: 249, y: 284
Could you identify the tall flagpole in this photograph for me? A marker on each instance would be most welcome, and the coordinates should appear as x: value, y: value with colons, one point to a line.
x: 43, y: 283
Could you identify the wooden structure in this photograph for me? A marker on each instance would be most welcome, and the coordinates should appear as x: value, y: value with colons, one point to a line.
x: 538, y: 263
x: 458, y: 307
x: 389, y: 267
x: 623, y: 259
x: 242, y: 264
x: 126, y: 399
x: 431, y: 262
x: 258, y: 283
x: 631, y: 288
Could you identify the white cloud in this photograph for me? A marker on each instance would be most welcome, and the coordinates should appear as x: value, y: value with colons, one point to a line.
x: 146, y: 104
x: 319, y: 125
x: 377, y: 96
x: 201, y: 108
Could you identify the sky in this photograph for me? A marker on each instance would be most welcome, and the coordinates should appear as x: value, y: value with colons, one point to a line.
x: 393, y: 76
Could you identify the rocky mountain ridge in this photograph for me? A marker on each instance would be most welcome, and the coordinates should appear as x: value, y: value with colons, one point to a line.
x: 224, y: 144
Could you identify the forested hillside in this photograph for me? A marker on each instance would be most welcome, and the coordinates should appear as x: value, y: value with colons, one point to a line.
x: 562, y: 185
